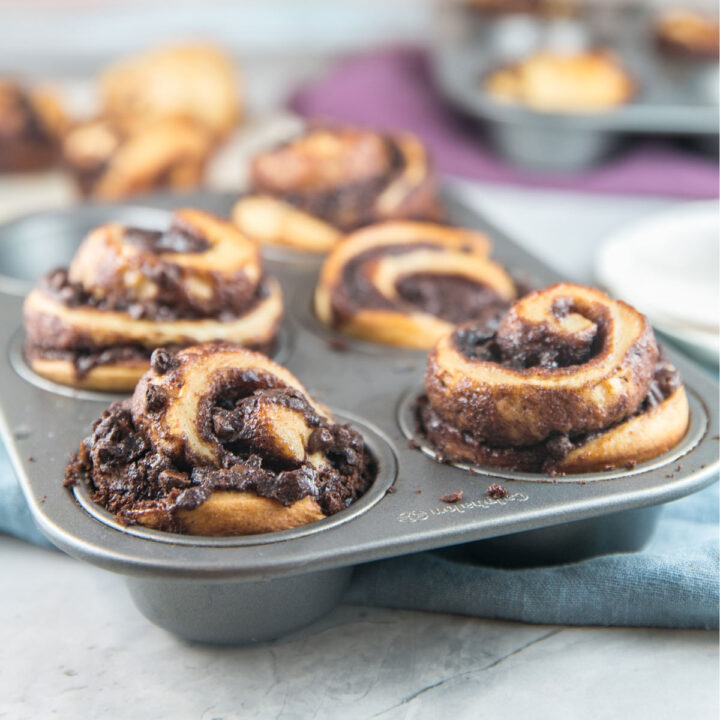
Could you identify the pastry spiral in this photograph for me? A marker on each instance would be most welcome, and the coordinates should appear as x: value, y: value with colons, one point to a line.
x: 109, y: 164
x: 128, y: 291
x: 31, y: 123
x: 308, y: 192
x: 570, y: 381
x: 557, y: 82
x: 409, y: 283
x: 218, y: 440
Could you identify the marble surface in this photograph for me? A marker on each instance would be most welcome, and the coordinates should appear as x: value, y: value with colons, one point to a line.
x: 74, y: 646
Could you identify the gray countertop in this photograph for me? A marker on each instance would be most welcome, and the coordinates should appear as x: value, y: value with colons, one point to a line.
x: 74, y: 645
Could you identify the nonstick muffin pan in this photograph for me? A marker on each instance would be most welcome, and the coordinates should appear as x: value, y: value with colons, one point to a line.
x: 674, y: 96
x: 247, y: 589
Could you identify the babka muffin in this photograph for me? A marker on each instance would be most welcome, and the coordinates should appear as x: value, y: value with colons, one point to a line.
x: 308, y: 192
x: 130, y: 290
x: 409, y: 283
x: 217, y: 440
x: 570, y: 381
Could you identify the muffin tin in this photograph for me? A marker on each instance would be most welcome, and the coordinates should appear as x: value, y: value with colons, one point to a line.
x: 248, y: 589
x: 674, y: 96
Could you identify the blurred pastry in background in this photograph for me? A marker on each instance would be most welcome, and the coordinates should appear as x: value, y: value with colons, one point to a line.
x: 683, y: 32
x: 552, y: 8
x: 109, y: 163
x: 563, y: 82
x: 190, y: 82
x: 308, y: 192
x: 31, y: 125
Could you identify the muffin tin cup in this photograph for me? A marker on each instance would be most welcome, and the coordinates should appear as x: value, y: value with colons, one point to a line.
x: 672, y: 96
x: 249, y: 589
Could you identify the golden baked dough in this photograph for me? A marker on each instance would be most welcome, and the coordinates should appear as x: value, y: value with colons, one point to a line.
x: 191, y: 82
x: 110, y: 164
x: 126, y: 293
x: 563, y: 82
x: 308, y: 192
x: 384, y: 259
x: 570, y: 381
x: 218, y: 440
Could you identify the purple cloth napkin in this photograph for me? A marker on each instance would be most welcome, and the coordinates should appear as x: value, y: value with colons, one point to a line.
x: 392, y: 89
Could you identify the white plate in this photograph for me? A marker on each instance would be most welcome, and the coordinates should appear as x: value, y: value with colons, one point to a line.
x: 667, y: 267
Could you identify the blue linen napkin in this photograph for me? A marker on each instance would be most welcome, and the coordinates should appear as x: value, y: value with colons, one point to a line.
x: 673, y: 582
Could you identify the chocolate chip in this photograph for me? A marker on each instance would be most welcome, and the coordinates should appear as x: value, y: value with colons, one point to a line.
x: 320, y: 440
x: 155, y: 398
x: 496, y: 492
x: 161, y: 361
x: 169, y: 479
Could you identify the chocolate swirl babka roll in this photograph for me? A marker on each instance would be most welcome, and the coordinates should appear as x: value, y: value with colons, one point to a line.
x: 310, y: 191
x: 128, y: 291
x: 409, y: 283
x: 571, y: 381
x: 31, y: 125
x: 218, y: 440
x: 108, y: 163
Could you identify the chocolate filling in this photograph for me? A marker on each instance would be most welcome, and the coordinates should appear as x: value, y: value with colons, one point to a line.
x: 534, y: 347
x: 234, y: 297
x: 544, y: 456
x: 180, y: 237
x: 130, y: 478
x: 454, y: 298
x: 87, y: 359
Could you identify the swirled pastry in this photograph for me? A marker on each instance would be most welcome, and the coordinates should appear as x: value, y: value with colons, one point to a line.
x: 571, y: 381
x: 31, y: 124
x: 218, y: 440
x: 688, y: 33
x: 109, y: 164
x: 563, y: 82
x: 409, y: 283
x: 128, y: 291
x: 308, y: 192
x: 196, y: 83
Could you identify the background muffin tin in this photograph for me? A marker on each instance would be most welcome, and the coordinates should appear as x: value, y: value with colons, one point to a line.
x: 254, y: 588
x: 674, y: 96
